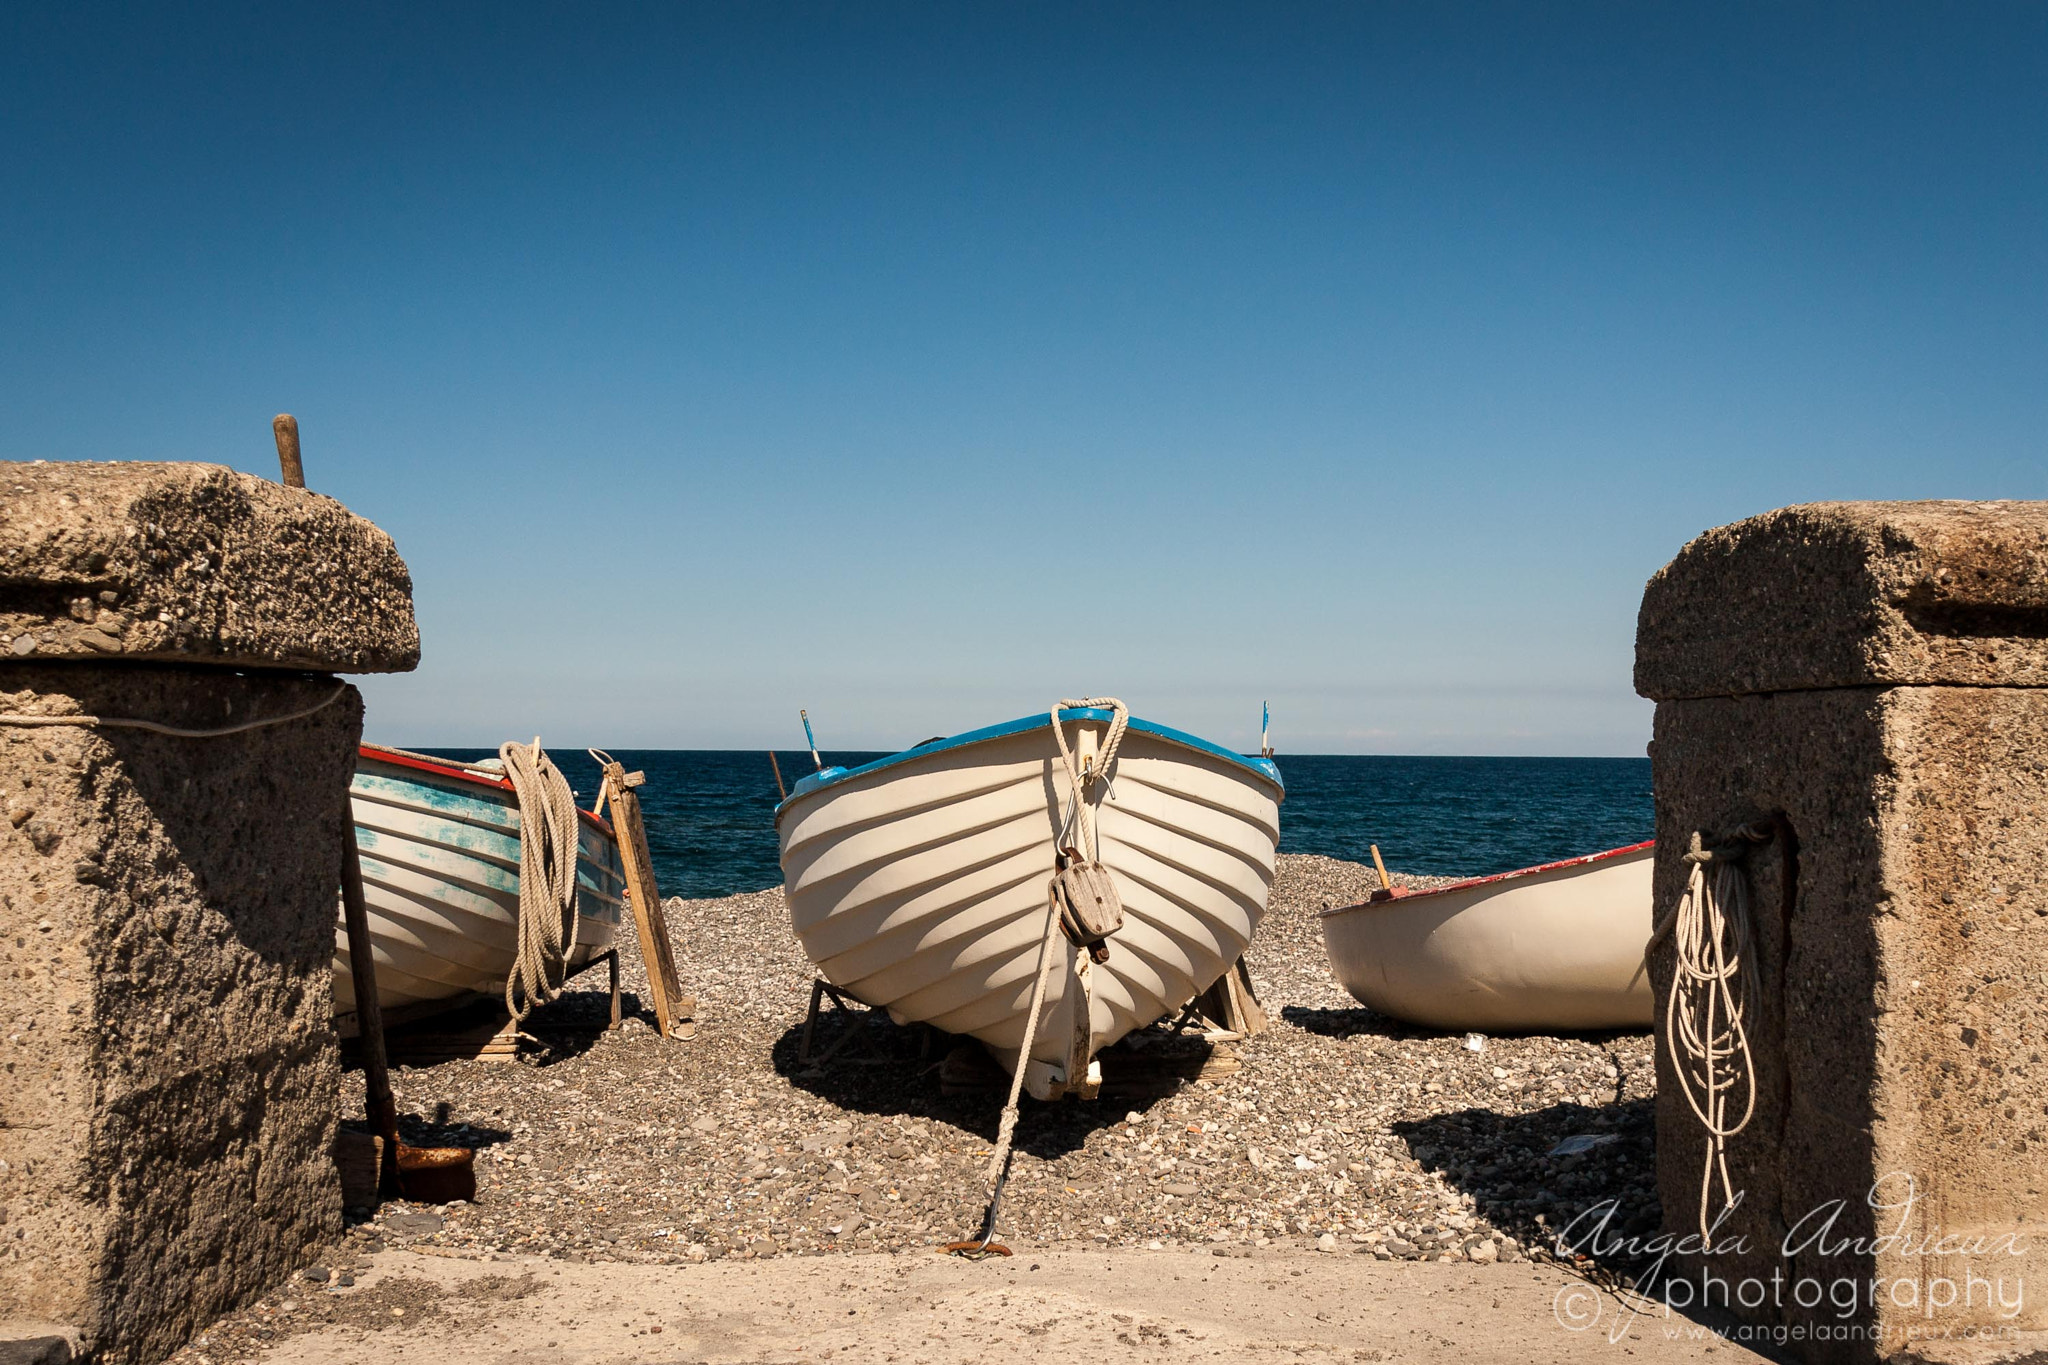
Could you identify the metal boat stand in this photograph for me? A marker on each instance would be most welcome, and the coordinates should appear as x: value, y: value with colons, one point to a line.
x: 611, y: 960
x: 856, y: 1015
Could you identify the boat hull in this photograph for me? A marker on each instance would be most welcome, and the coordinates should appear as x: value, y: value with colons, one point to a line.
x: 1558, y: 947
x: 439, y: 847
x: 920, y: 886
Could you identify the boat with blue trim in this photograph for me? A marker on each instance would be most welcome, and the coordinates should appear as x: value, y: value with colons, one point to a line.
x: 918, y: 883
x: 440, y: 850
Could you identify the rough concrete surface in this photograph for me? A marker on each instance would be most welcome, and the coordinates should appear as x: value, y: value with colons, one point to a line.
x: 1900, y: 1034
x: 195, y: 562
x: 166, y: 936
x: 1052, y: 1308
x: 37, y: 1343
x: 1844, y: 594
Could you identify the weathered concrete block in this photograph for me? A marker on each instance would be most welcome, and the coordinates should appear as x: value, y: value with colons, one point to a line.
x: 1845, y: 594
x: 167, y: 934
x: 1900, y: 1026
x: 195, y: 563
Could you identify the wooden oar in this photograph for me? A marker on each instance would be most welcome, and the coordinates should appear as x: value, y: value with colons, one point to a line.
x: 781, y: 792
x: 1386, y: 882
x: 355, y: 913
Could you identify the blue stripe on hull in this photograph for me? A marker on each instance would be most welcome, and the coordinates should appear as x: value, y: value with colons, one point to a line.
x: 814, y: 782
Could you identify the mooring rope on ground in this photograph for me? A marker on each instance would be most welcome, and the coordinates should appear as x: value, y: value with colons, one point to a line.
x: 547, y: 878
x: 1713, y: 979
x: 1006, y: 1130
x: 85, y: 722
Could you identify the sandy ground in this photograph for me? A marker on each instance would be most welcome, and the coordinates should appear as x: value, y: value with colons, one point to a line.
x: 911, y: 1308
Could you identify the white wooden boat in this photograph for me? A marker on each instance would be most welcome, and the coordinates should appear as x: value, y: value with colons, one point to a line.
x: 1556, y: 947
x: 439, y: 843
x: 917, y: 883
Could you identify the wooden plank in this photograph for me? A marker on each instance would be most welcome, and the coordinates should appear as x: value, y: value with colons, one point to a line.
x: 1231, y: 1004
x: 655, y: 951
x: 359, y: 1161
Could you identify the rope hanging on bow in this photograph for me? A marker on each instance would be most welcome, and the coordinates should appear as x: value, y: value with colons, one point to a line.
x: 1080, y: 818
x: 1711, y: 986
x: 547, y: 878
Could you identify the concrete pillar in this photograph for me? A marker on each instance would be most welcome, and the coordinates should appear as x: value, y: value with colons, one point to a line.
x: 168, y: 1069
x: 1873, y: 677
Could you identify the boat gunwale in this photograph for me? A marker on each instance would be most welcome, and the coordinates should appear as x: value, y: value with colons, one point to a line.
x: 1584, y: 860
x: 451, y: 768
x: 826, y: 779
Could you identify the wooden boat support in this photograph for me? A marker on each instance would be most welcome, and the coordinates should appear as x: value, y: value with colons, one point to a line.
x: 673, y: 1011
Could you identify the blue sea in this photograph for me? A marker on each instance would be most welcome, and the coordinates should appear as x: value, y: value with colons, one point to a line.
x: 711, y: 813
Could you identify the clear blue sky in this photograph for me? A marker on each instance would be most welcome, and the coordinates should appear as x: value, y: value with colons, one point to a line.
x: 919, y: 364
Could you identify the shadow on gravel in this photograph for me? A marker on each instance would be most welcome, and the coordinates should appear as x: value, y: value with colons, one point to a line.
x: 889, y: 1071
x: 572, y: 1023
x: 1360, y: 1022
x: 438, y: 1128
x: 567, y: 1026
x: 1520, y: 1180
x: 1351, y: 1023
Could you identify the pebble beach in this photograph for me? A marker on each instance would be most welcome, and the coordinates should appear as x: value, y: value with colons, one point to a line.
x: 1343, y: 1132
x: 1340, y: 1123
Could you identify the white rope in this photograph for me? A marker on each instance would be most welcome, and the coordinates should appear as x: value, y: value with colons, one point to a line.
x: 155, y: 727
x: 547, y: 878
x: 1008, y: 1128
x: 1711, y: 983
x: 1080, y: 817
x: 1078, y: 781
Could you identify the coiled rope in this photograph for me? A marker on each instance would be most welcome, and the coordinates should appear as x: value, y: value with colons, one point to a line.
x: 547, y: 878
x: 1711, y: 985
x: 84, y: 722
x: 1080, y: 816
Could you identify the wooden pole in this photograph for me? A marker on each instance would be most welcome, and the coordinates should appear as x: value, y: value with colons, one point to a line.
x: 285, y: 428
x: 781, y: 792
x: 1386, y: 882
x: 362, y: 966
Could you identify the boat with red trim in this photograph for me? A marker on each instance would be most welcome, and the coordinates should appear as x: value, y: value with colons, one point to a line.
x: 440, y: 850
x: 1558, y: 947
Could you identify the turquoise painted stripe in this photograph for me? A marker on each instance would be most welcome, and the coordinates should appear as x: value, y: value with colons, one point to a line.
x: 481, y: 829
x: 810, y: 785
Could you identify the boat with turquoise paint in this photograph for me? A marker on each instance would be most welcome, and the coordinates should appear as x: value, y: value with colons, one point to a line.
x: 439, y: 846
x: 919, y: 883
